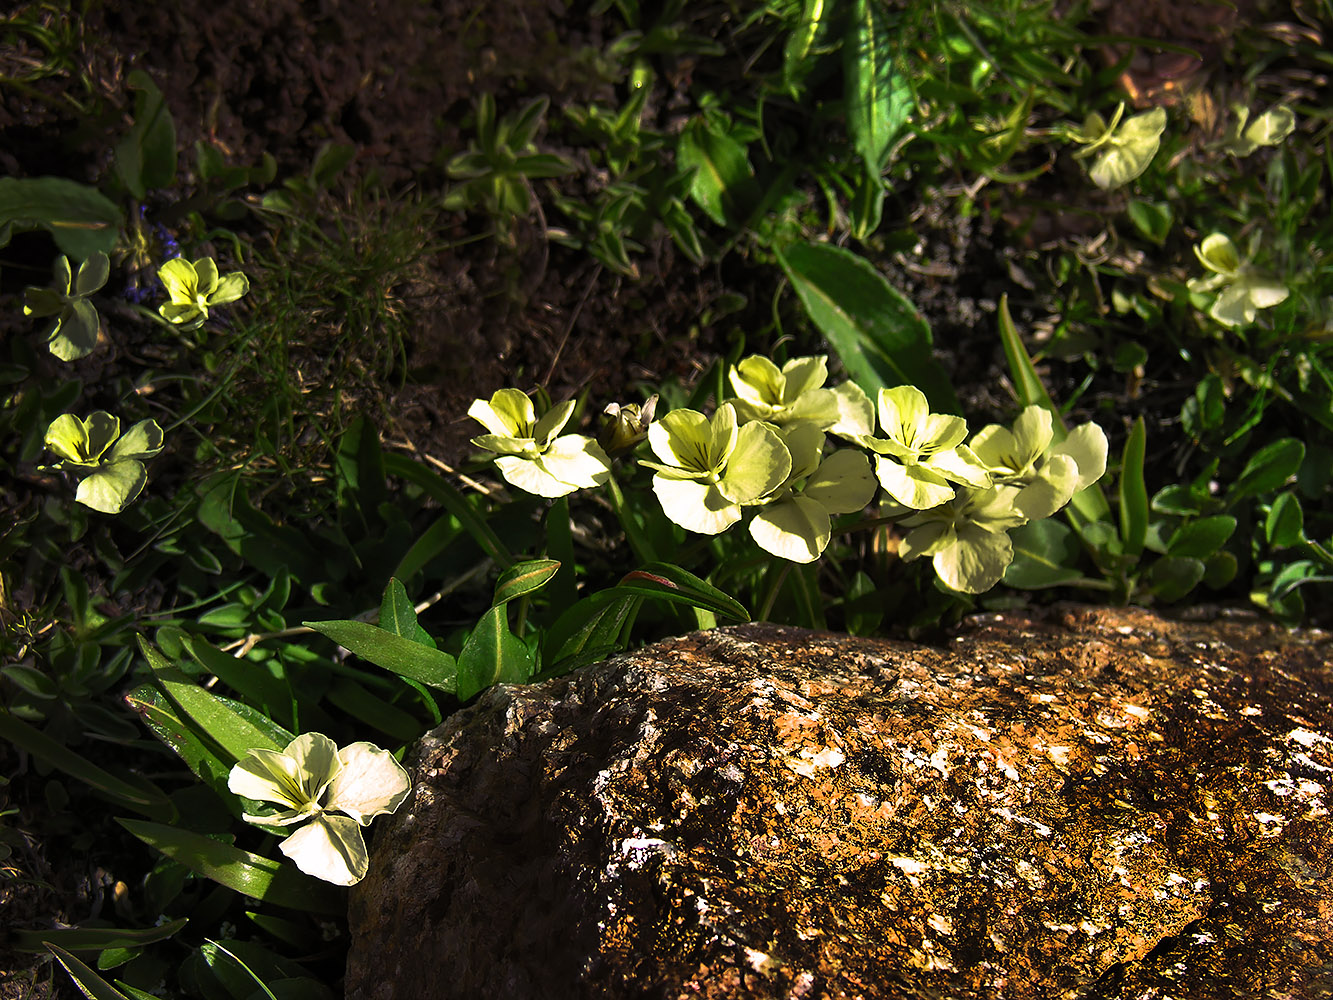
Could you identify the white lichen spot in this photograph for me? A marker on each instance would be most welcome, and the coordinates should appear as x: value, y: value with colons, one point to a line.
x: 940, y: 924
x: 1271, y: 825
x: 939, y: 760
x: 759, y: 961
x: 1137, y: 711
x: 811, y: 762
x: 641, y: 850
x: 1251, y: 710
x: 911, y: 868
x: 1306, y: 738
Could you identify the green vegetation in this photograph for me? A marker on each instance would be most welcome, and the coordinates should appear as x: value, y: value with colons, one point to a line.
x: 199, y: 611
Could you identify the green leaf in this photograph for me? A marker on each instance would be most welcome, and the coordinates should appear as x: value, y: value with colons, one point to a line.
x: 722, y: 183
x: 252, y: 680
x: 492, y: 655
x: 399, y: 615
x: 524, y: 578
x: 1151, y: 218
x: 1200, y: 539
x: 1133, y: 492
x: 880, y: 337
x: 877, y: 98
x: 1045, y: 555
x: 799, y: 53
x: 82, y: 220
x: 90, y: 984
x: 667, y: 582
x: 863, y: 605
x: 588, y: 631
x: 1172, y: 577
x: 92, y: 938
x: 142, y: 797
x: 161, y: 717
x: 246, y: 873
x: 1285, y: 524
x: 146, y: 157
x: 401, y: 656
x: 452, y: 501
x: 1268, y: 469
x: 1219, y: 569
x: 217, y: 719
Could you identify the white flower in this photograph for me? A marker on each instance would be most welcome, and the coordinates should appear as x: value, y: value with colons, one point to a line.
x: 311, y: 778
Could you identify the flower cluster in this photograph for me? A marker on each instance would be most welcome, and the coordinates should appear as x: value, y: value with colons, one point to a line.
x: 764, y: 455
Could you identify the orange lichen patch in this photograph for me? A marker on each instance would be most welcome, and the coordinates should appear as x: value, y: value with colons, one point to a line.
x: 1092, y: 802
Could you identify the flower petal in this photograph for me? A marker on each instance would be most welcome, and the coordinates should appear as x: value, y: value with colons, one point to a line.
x: 331, y: 848
x: 528, y: 475
x: 230, y: 288
x: 317, y: 762
x: 179, y: 280
x: 143, y: 440
x: 912, y: 485
x: 681, y: 438
x: 901, y: 411
x: 552, y: 423
x: 113, y: 486
x: 1086, y: 444
x: 68, y: 438
x: 975, y: 562
x: 269, y: 776
x: 509, y: 413
x: 371, y: 782
x: 796, y: 528
x: 695, y: 506
x: 758, y: 465
x: 577, y: 460
x: 843, y: 484
x: 207, y: 271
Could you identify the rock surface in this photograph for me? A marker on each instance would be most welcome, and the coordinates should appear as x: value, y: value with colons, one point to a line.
x: 1083, y: 803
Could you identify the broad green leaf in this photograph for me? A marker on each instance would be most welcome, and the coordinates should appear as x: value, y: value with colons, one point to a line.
x: 877, y: 98
x: 233, y: 732
x: 146, y: 157
x: 863, y: 605
x: 667, y: 582
x: 1200, y: 539
x: 722, y: 183
x: 1151, y: 218
x: 399, y: 615
x: 252, y: 680
x: 524, y: 578
x: 452, y: 501
x: 90, y: 984
x: 1172, y: 577
x: 1133, y: 492
x: 142, y: 797
x: 1219, y: 569
x: 799, y: 52
x: 161, y: 717
x: 880, y: 337
x: 401, y: 656
x: 1046, y: 553
x: 588, y: 631
x: 92, y: 938
x: 82, y: 220
x: 1285, y: 524
x: 361, y: 704
x: 492, y: 655
x: 246, y: 873
x: 1268, y: 469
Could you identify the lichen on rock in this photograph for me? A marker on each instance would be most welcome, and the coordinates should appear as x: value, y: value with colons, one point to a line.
x: 1080, y: 803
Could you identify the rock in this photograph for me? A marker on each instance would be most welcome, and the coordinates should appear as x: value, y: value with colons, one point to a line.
x: 1076, y: 803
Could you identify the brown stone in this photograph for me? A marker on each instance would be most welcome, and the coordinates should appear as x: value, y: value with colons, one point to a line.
x: 1080, y: 803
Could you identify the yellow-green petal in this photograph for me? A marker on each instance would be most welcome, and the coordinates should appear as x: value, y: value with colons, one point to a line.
x: 695, y: 506
x: 207, y: 271
x: 527, y: 474
x: 843, y: 484
x: 230, y: 288
x: 758, y: 465
x: 912, y: 485
x: 112, y: 487
x: 370, y: 783
x: 143, y: 440
x: 330, y: 848
x: 797, y: 529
